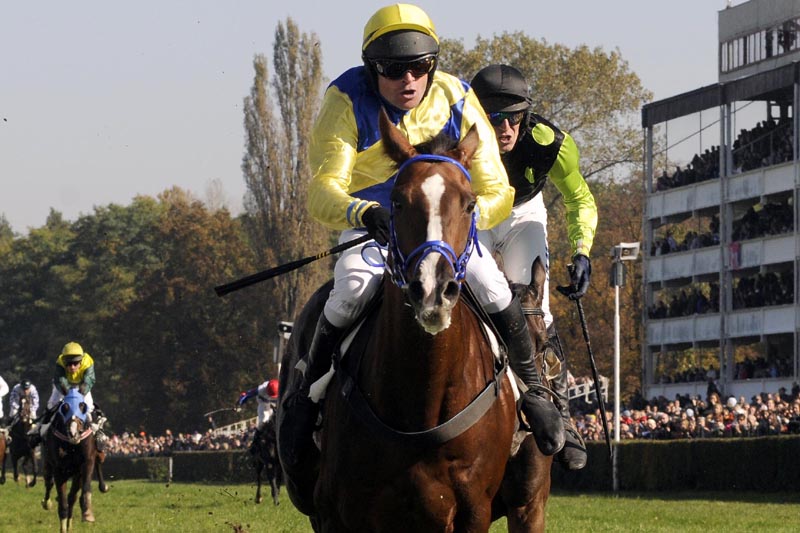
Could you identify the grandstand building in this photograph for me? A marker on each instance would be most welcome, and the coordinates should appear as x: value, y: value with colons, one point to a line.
x: 721, y: 244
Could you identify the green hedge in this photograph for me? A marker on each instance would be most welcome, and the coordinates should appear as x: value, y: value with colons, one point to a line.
x: 760, y: 464
x: 227, y: 466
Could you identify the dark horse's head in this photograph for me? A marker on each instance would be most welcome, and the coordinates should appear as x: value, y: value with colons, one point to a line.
x: 433, y: 222
x: 71, y: 417
x: 25, y: 414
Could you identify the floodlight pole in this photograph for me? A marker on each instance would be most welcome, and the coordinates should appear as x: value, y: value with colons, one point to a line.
x: 617, y: 264
x: 624, y: 251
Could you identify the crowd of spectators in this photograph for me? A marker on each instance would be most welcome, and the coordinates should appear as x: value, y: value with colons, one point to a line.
x: 759, y: 290
x: 768, y: 143
x: 692, y: 240
x: 702, y: 167
x: 130, y: 444
x: 749, y: 368
x: 688, y: 417
x: 684, y: 417
x: 693, y: 301
x: 772, y: 218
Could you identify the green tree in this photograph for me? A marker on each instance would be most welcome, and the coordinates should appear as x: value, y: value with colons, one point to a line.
x: 592, y: 94
x: 276, y: 170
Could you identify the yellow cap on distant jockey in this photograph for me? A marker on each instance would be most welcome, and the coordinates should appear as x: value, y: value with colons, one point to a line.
x: 72, y: 351
x: 398, y: 17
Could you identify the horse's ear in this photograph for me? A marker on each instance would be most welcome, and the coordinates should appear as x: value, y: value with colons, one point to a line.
x: 466, y: 148
x: 395, y: 144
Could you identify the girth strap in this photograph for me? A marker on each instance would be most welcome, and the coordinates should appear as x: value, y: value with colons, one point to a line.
x: 440, y: 434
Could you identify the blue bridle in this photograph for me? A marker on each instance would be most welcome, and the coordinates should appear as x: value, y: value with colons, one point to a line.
x: 457, y: 262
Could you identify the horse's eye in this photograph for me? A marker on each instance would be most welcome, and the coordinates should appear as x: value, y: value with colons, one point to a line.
x: 396, y: 206
x: 471, y: 207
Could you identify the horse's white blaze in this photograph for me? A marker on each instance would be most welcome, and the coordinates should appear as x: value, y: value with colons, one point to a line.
x: 433, y: 187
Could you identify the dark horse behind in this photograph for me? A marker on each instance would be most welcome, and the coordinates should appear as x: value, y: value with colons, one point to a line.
x: 419, y: 427
x: 266, y: 461
x: 20, y: 449
x: 70, y: 452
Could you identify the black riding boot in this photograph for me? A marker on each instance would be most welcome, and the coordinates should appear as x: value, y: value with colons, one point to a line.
x: 301, y: 415
x: 542, y: 414
x: 573, y: 455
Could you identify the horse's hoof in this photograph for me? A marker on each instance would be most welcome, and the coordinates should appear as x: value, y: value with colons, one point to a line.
x: 2, y: 481
x: 32, y: 484
x: 104, y: 488
x: 88, y: 517
x: 47, y: 505
x: 259, y: 499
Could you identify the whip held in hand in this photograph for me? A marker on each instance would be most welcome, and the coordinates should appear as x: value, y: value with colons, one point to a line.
x: 567, y: 291
x: 264, y: 275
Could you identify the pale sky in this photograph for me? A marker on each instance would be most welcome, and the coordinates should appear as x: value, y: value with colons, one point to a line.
x: 103, y: 100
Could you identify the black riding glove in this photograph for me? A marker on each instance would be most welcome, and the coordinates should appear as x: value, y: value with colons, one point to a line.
x: 376, y: 220
x: 579, y: 272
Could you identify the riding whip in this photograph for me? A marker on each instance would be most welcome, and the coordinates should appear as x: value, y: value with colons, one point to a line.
x: 264, y: 275
x: 566, y: 291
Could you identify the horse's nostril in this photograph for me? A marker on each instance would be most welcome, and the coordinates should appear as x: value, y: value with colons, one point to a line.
x: 415, y: 291
x: 451, y: 290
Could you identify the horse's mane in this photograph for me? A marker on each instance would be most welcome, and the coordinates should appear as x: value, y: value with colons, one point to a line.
x: 438, y: 145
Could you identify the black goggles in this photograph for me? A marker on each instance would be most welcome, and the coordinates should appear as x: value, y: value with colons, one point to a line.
x: 394, y: 70
x: 513, y: 118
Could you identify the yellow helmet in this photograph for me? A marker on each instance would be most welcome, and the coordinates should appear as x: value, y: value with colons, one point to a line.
x: 418, y: 39
x: 72, y: 351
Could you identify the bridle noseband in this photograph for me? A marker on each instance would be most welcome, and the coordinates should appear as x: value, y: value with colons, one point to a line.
x: 458, y: 263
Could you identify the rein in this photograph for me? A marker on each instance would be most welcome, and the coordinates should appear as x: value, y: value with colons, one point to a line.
x: 69, y: 440
x: 458, y: 263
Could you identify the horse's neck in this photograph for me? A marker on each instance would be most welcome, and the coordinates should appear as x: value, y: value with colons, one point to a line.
x: 419, y: 377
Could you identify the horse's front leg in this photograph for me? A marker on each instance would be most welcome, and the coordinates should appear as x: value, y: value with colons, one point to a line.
x: 29, y: 464
x: 101, y: 482
x: 259, y: 468
x: 275, y: 489
x: 35, y: 473
x: 64, y: 506
x: 3, y: 460
x: 47, y: 504
x: 15, y: 464
x: 87, y: 469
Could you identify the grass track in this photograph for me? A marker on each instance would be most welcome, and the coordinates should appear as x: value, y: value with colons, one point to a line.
x: 156, y: 507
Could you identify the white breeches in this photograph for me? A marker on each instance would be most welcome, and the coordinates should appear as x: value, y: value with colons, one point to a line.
x: 265, y: 411
x: 56, y: 396
x: 355, y: 281
x: 518, y: 240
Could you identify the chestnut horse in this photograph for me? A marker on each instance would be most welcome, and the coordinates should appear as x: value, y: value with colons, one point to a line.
x: 20, y: 449
x: 70, y: 452
x: 420, y: 416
